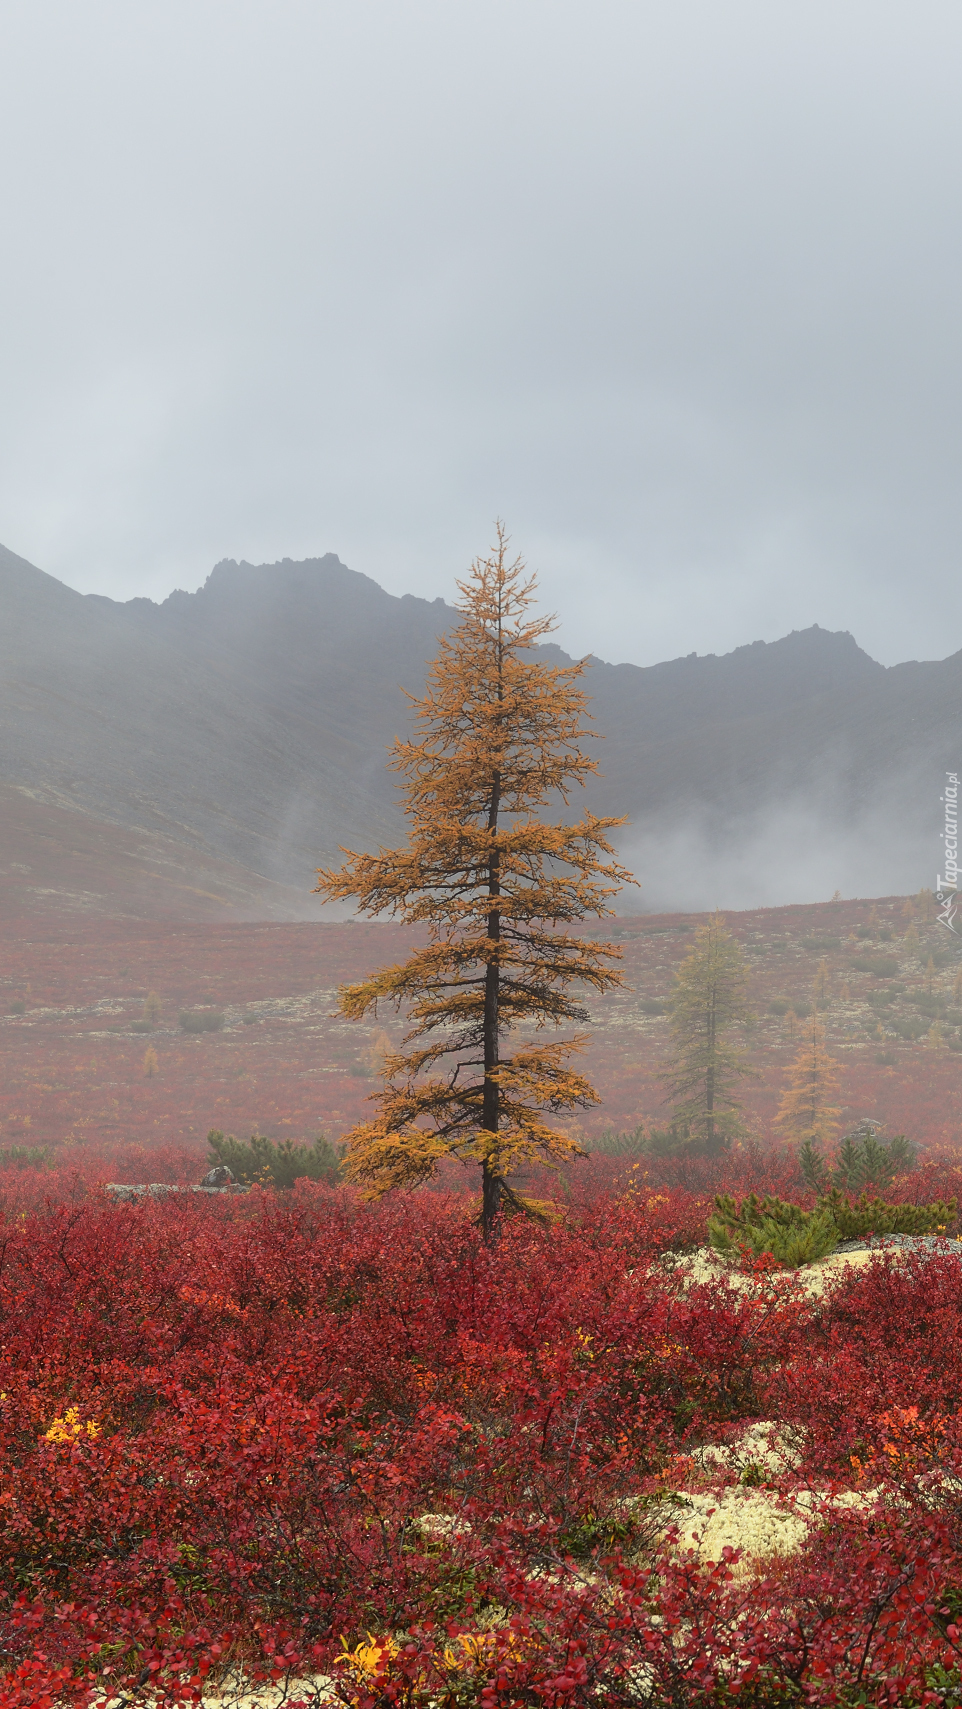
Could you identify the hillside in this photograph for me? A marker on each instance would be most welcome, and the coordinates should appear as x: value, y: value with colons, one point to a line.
x: 58, y: 864
x: 247, y: 724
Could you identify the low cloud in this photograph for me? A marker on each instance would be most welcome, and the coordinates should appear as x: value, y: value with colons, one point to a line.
x: 792, y: 854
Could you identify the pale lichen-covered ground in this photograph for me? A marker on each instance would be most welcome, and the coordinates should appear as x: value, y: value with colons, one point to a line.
x: 761, y: 1523
x: 704, y: 1265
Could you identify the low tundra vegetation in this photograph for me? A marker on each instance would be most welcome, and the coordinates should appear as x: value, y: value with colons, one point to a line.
x: 287, y: 1436
x: 277, y: 1163
x: 201, y: 1020
x: 794, y: 1236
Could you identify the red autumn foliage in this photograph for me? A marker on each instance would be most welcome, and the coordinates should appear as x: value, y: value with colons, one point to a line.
x: 223, y: 1422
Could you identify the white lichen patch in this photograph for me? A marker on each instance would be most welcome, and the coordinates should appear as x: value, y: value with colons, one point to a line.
x: 761, y: 1524
x: 236, y: 1691
x: 704, y: 1265
x: 441, y: 1527
x: 758, y: 1523
x: 766, y: 1448
x: 312, y: 1693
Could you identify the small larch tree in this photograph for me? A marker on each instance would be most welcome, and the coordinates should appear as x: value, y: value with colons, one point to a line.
x: 806, y: 1111
x: 925, y: 906
x: 497, y: 883
x: 708, y: 1003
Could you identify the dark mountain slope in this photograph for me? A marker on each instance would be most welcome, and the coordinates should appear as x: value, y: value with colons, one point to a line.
x: 249, y: 719
x: 825, y: 772
x: 828, y: 723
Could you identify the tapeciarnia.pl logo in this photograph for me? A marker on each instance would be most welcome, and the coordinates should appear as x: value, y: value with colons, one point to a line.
x: 946, y: 889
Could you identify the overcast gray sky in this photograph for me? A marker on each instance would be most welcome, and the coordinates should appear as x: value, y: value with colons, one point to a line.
x: 673, y: 287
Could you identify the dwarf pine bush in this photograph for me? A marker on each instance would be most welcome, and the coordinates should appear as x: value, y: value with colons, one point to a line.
x: 791, y: 1235
x: 279, y: 1163
x: 815, y: 1171
x: 862, y: 1158
x: 201, y: 1021
x: 25, y: 1156
x: 875, y: 1216
x: 673, y: 1141
x: 614, y: 1144
x: 794, y: 1236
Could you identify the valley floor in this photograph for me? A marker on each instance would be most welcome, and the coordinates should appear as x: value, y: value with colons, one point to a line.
x: 74, y: 1072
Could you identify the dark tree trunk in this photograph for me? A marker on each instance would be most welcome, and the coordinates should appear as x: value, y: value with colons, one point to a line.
x: 491, y: 1099
x: 491, y: 1186
x: 490, y: 1203
x: 710, y: 1078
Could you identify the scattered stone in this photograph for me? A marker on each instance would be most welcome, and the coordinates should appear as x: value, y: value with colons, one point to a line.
x: 220, y: 1179
x: 938, y: 1243
x: 219, y: 1176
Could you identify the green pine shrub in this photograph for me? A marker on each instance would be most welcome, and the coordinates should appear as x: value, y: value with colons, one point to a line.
x: 815, y: 1172
x: 875, y: 1216
x: 279, y: 1163
x: 794, y: 1236
x: 791, y: 1235
x: 673, y: 1141
x: 908, y: 1028
x: 861, y: 1158
x: 201, y: 1020
x: 25, y: 1156
x: 613, y: 1144
x: 883, y: 966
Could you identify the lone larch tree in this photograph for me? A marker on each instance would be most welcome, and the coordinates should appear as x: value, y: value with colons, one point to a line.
x: 806, y: 1111
x: 707, y: 1003
x: 498, y: 881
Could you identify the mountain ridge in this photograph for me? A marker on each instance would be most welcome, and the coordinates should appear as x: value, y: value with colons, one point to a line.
x: 249, y: 720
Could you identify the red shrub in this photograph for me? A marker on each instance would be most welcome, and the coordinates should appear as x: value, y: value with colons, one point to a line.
x: 223, y: 1421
